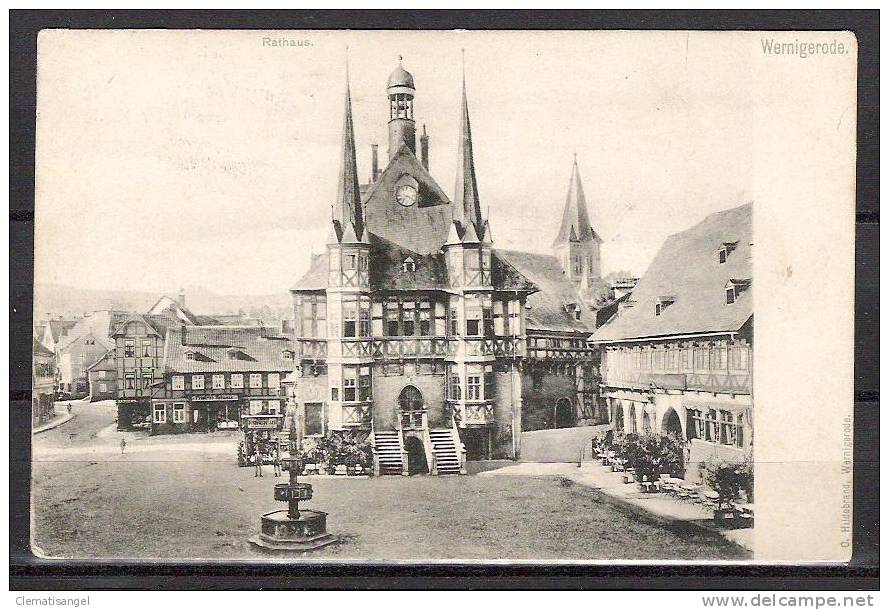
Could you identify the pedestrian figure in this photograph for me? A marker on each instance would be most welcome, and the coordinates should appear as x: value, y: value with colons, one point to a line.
x: 69, y: 407
x: 123, y: 445
x: 257, y: 462
x: 277, y: 459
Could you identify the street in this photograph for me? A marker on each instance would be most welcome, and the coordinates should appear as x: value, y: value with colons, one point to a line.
x: 182, y: 496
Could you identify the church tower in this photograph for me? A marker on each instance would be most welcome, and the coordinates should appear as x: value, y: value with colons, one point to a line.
x: 400, y: 90
x: 577, y: 244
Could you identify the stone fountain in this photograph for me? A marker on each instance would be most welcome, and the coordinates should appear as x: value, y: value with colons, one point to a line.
x: 293, y: 529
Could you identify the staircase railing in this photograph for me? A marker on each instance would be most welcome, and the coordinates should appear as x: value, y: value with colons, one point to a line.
x: 458, y: 444
x: 431, y: 459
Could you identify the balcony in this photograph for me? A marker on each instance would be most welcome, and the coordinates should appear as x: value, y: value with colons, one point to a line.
x: 357, y: 415
x: 395, y: 348
x: 310, y: 349
x: 473, y: 413
x: 716, y: 382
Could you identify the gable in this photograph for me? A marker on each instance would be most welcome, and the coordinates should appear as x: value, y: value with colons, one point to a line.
x: 422, y: 227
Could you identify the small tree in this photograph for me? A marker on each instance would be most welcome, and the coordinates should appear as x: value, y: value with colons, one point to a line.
x: 727, y: 479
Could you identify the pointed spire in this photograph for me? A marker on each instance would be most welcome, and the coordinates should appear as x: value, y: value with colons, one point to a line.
x: 333, y: 233
x: 575, y: 218
x: 470, y: 236
x: 453, y: 235
x: 486, y: 232
x: 467, y: 208
x: 347, y: 208
x: 350, y: 235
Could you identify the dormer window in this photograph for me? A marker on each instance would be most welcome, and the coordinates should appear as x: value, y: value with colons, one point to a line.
x: 409, y: 265
x: 189, y: 355
x: 725, y: 249
x: 573, y: 308
x: 733, y: 288
x: 662, y: 303
x: 287, y: 354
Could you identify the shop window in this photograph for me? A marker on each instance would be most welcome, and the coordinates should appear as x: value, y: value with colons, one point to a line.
x: 178, y: 413
x: 160, y: 414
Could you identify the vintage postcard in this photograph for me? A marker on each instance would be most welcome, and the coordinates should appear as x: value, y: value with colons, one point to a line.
x: 444, y: 296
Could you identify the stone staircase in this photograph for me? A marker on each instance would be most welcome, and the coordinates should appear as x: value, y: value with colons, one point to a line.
x: 388, y: 452
x: 446, y: 451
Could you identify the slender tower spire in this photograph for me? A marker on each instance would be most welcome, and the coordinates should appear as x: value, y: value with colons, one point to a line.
x: 347, y: 208
x: 576, y: 224
x: 467, y: 208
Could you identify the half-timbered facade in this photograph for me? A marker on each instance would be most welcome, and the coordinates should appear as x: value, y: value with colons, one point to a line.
x: 678, y: 357
x: 214, y: 375
x: 411, y: 327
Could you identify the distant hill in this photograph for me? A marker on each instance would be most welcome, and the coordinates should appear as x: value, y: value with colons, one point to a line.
x: 54, y: 300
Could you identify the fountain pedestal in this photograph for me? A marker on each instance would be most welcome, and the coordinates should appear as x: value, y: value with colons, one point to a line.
x: 293, y: 529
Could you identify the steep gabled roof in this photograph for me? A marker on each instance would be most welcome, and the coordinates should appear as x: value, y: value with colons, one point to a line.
x: 218, y: 349
x: 59, y: 328
x: 105, y: 362
x: 100, y: 325
x: 315, y: 278
x: 422, y: 227
x: 687, y: 268
x: 547, y: 310
x: 167, y: 304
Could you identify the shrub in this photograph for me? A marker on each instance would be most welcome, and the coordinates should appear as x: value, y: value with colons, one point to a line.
x: 728, y: 478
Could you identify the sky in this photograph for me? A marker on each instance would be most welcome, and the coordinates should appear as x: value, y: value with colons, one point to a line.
x: 210, y: 158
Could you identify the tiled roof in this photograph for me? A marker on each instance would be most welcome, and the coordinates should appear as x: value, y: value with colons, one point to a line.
x: 99, y: 324
x: 316, y: 277
x: 547, y: 306
x: 40, y: 349
x: 105, y: 362
x: 58, y: 328
x: 386, y: 272
x: 218, y: 349
x: 687, y: 268
x: 422, y: 227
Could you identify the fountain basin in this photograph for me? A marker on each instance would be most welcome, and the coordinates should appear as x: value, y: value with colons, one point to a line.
x: 280, y: 532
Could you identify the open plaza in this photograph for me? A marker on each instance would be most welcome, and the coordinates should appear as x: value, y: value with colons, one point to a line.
x: 184, y: 496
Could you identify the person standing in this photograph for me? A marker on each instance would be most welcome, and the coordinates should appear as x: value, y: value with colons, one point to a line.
x: 123, y: 445
x: 277, y: 459
x: 257, y: 461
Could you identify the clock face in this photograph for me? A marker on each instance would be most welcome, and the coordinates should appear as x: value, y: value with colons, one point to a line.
x: 406, y: 195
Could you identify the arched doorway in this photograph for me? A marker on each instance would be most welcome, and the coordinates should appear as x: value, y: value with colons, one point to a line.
x: 410, y: 402
x: 618, y: 416
x: 672, y: 425
x: 564, y: 415
x: 416, y: 455
x: 631, y: 416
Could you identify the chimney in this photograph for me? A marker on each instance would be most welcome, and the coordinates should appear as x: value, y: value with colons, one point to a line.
x: 181, y: 299
x: 182, y: 335
x: 424, y: 149
x: 374, y: 162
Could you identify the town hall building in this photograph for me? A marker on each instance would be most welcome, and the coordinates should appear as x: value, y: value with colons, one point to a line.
x: 413, y: 330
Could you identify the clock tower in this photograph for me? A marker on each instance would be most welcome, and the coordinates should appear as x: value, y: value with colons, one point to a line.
x: 400, y: 90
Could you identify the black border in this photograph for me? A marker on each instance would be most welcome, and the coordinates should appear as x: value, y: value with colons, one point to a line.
x: 30, y: 573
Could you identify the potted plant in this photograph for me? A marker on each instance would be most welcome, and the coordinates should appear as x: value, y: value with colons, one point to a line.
x: 726, y: 479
